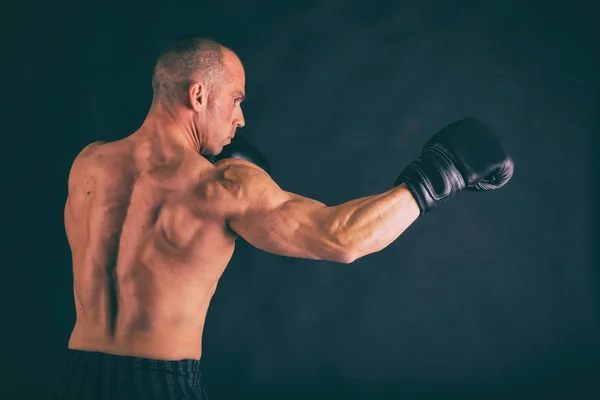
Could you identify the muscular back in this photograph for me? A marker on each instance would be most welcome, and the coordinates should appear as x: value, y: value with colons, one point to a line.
x: 149, y: 239
x: 152, y: 227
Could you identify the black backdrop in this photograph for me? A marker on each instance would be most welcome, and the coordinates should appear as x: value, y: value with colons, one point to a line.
x: 494, y: 293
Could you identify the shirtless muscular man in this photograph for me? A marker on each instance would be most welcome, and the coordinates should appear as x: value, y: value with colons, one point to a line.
x: 152, y: 221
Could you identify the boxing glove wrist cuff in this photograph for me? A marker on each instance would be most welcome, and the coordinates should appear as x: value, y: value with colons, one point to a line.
x: 432, y: 178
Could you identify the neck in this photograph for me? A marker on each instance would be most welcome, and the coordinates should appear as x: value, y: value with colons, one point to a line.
x: 171, y: 124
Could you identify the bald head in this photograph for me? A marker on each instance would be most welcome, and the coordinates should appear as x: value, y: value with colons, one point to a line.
x: 187, y: 60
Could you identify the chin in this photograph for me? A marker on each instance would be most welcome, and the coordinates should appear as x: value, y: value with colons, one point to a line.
x: 212, y: 152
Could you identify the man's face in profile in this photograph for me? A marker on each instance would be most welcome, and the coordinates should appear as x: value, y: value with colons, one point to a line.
x: 224, y: 111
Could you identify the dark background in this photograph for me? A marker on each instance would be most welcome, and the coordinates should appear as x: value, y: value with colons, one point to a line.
x: 492, y: 294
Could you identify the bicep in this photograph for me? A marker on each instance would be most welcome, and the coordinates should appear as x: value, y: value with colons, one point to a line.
x: 284, y: 223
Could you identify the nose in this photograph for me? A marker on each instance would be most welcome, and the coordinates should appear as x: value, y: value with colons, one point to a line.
x: 239, y: 120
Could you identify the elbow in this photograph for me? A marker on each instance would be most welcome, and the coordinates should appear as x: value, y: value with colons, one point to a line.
x: 346, y: 254
x: 337, y: 255
x: 346, y: 257
x: 342, y: 250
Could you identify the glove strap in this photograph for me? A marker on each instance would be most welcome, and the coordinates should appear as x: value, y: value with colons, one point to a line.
x: 432, y: 178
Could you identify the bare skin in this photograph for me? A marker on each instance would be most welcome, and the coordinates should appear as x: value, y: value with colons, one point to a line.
x: 152, y: 225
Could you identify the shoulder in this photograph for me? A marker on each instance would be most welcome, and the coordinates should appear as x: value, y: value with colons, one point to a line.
x: 92, y: 161
x: 87, y: 154
x: 241, y: 178
x: 248, y: 188
x: 91, y: 149
x: 107, y: 155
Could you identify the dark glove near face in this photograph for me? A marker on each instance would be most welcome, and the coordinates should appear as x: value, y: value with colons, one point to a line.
x: 240, y: 148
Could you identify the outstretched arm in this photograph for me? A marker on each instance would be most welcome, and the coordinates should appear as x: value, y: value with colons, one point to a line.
x: 288, y: 224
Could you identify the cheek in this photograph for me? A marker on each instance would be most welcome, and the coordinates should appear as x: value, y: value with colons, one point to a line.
x: 223, y: 111
x: 227, y: 113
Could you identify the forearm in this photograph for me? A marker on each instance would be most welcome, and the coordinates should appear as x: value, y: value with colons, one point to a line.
x: 369, y: 224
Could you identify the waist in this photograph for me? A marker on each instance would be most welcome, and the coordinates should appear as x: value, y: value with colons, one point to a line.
x: 103, y: 360
x: 166, y: 345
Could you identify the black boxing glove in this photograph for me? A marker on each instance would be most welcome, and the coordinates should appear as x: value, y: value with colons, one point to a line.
x: 463, y: 155
x: 242, y: 149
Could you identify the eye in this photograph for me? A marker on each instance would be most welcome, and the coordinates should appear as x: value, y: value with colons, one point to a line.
x: 236, y: 101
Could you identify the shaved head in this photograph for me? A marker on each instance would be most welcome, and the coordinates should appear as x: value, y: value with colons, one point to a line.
x: 188, y: 59
x: 199, y: 84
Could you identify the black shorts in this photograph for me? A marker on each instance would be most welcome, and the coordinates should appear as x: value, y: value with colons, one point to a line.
x: 90, y: 376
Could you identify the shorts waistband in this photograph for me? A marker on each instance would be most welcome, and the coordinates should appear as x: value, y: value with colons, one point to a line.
x: 182, y: 367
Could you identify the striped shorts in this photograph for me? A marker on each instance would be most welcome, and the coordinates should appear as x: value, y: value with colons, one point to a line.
x: 94, y: 376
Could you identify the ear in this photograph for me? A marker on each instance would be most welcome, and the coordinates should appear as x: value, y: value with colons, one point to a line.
x: 197, y: 95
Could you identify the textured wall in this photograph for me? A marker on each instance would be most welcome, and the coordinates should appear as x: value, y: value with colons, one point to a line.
x: 492, y: 293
